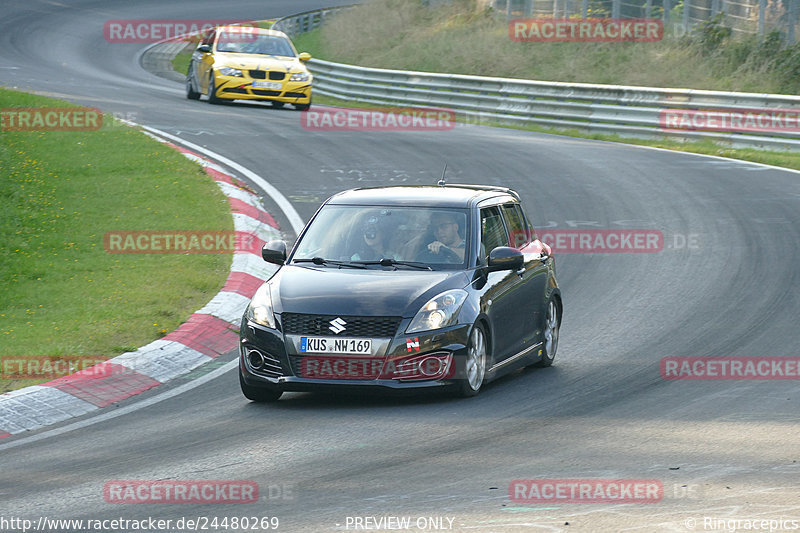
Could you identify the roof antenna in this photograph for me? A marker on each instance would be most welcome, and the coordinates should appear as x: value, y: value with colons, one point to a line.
x: 442, y: 181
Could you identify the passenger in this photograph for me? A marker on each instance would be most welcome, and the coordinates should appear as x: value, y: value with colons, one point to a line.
x: 374, y: 242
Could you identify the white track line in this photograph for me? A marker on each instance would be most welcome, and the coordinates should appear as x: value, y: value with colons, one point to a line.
x: 124, y: 410
x: 286, y: 206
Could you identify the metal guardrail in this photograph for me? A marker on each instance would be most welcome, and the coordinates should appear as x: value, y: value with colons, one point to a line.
x: 609, y: 109
x: 306, y: 21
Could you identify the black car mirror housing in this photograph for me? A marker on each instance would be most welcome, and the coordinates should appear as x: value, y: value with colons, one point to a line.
x: 505, y: 258
x: 274, y: 252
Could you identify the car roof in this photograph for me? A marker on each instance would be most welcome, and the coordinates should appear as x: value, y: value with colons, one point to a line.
x: 456, y: 195
x: 249, y: 29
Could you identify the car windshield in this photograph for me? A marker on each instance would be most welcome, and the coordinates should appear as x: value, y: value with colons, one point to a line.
x: 244, y: 43
x: 437, y: 237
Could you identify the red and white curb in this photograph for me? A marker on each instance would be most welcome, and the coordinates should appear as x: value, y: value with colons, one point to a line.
x: 207, y: 334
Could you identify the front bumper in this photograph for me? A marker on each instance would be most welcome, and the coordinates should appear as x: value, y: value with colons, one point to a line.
x: 241, y: 88
x: 405, y: 363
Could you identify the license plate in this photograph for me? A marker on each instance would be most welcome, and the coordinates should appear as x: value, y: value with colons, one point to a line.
x: 336, y: 345
x: 267, y: 84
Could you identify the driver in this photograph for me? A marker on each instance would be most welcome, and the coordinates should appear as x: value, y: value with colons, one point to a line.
x: 446, y: 234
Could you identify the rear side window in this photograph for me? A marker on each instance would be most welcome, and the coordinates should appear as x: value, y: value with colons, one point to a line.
x: 209, y: 39
x: 493, y: 232
x: 519, y: 231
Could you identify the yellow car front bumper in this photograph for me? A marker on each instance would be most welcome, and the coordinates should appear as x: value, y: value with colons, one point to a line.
x: 246, y: 88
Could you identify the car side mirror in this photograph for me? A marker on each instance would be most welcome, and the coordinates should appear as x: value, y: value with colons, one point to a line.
x: 304, y: 56
x: 204, y: 48
x: 505, y: 258
x: 274, y: 252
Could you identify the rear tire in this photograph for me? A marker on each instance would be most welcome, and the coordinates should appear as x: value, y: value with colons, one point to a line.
x: 303, y: 107
x: 277, y: 105
x: 263, y: 394
x: 475, y: 367
x: 552, y: 324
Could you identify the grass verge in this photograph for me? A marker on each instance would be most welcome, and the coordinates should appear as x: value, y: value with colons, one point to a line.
x: 62, y: 293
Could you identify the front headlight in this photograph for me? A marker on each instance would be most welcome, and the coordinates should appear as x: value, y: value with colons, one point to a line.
x: 260, y: 308
x: 230, y: 71
x: 300, y: 76
x: 440, y: 311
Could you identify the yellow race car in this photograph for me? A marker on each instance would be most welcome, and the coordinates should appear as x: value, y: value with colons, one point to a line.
x: 245, y: 63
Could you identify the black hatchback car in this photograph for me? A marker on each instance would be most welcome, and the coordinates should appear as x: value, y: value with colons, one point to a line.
x: 403, y: 287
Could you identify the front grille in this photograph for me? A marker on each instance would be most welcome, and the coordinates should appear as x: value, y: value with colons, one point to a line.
x: 262, y: 74
x: 266, y: 93
x: 235, y: 90
x: 356, y: 326
x: 295, y: 95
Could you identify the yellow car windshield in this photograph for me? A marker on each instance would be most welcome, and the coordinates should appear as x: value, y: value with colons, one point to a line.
x: 242, y: 43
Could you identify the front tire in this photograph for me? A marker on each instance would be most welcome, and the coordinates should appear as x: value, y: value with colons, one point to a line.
x: 263, y: 394
x: 212, y: 91
x: 303, y: 107
x: 475, y: 367
x: 552, y: 325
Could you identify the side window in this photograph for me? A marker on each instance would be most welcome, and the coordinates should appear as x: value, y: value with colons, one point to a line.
x: 209, y: 39
x: 493, y: 232
x: 522, y: 233
x: 517, y: 227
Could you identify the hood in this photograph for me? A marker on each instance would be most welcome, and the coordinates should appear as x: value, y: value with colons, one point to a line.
x: 258, y: 61
x: 356, y: 292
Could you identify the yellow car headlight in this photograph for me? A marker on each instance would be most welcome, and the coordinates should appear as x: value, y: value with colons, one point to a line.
x: 230, y: 71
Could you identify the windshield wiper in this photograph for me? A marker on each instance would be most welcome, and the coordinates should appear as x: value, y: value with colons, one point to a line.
x: 322, y: 261
x: 387, y: 261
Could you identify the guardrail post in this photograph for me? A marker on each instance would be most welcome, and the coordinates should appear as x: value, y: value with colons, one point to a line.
x: 762, y: 9
x: 665, y: 15
x: 585, y: 9
x: 648, y: 7
x: 615, y: 8
x: 686, y: 7
x: 792, y: 20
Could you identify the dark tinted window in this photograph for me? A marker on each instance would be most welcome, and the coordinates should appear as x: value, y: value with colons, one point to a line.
x: 519, y: 231
x: 493, y: 232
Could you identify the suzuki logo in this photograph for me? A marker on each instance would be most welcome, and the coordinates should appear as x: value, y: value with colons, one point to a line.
x: 337, y: 325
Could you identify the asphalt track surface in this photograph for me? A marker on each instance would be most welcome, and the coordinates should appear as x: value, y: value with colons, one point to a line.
x: 722, y: 449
